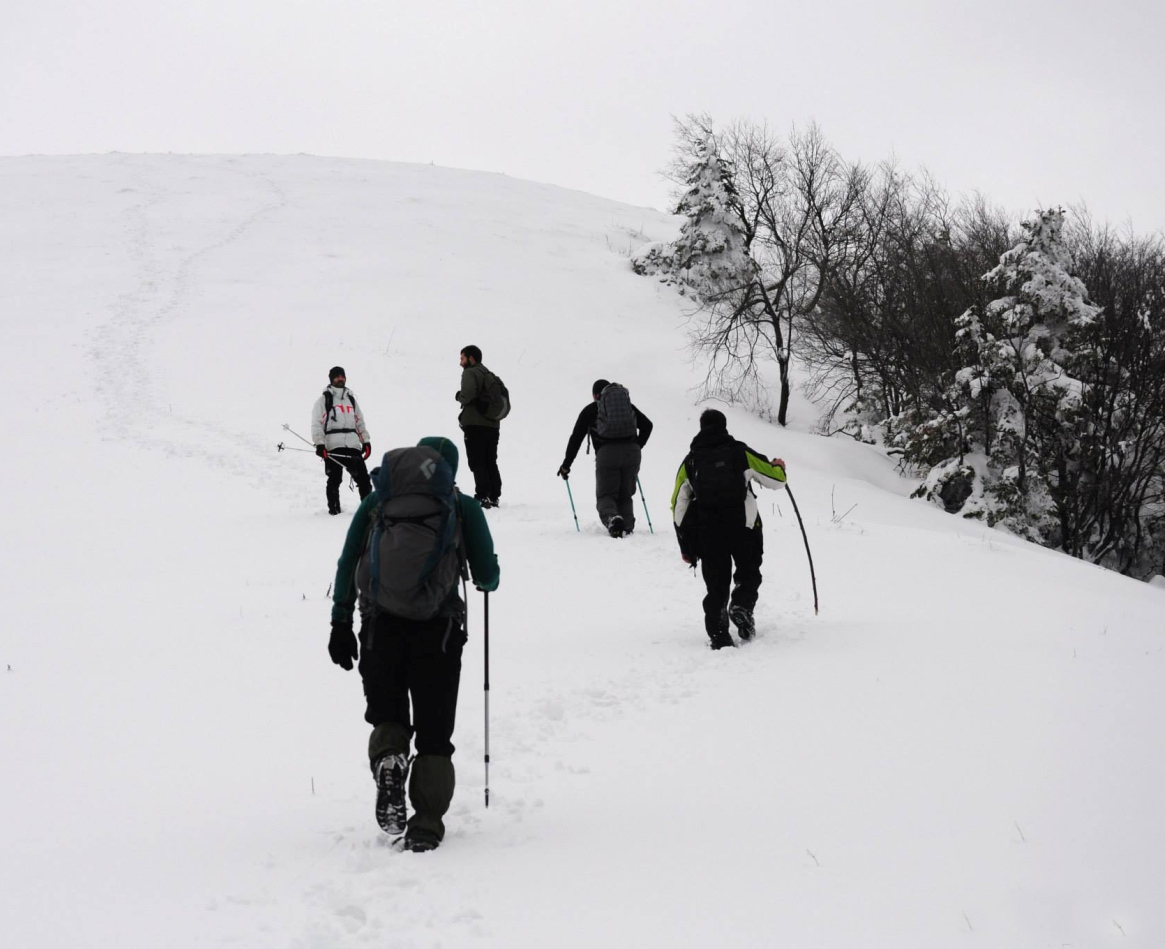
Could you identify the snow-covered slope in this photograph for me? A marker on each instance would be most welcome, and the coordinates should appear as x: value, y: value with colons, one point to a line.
x: 966, y: 746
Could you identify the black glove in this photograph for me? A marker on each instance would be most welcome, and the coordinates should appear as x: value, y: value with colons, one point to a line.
x: 321, y: 451
x: 564, y: 471
x: 367, y: 450
x: 342, y: 645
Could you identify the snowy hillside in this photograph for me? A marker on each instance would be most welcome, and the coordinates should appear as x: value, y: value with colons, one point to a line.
x: 965, y: 748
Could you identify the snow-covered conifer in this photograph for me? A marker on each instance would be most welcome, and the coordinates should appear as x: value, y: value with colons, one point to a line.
x: 1017, y: 399
x: 710, y: 257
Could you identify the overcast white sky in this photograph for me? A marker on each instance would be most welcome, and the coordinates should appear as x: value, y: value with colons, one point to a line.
x: 1032, y: 102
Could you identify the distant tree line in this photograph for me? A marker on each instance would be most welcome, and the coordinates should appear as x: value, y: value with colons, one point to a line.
x: 1018, y: 368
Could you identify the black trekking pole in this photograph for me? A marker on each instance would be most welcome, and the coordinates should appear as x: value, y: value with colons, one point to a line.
x: 570, y: 494
x: 643, y: 498
x: 282, y: 447
x: 812, y: 572
x: 485, y: 595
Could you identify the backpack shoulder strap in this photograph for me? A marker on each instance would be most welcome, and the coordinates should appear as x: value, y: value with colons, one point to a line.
x: 329, y: 402
x: 463, y: 548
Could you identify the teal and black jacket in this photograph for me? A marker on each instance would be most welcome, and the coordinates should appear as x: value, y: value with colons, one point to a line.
x: 479, y: 545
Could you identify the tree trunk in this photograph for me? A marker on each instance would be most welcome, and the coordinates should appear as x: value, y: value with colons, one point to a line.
x: 783, y: 410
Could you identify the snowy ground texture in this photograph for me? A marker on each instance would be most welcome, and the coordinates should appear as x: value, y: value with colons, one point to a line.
x: 965, y: 748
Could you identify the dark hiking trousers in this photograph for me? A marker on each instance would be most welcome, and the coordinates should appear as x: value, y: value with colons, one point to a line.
x: 335, y: 464
x: 481, y: 454
x: 725, y: 541
x: 616, y: 471
x: 420, y: 660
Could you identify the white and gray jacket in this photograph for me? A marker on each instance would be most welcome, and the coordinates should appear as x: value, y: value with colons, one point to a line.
x: 343, y: 426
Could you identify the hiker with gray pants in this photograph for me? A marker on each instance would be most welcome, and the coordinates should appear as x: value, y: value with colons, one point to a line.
x: 618, y: 430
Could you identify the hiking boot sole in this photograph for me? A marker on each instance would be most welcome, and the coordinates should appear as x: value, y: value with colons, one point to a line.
x: 391, y: 813
x: 744, y: 622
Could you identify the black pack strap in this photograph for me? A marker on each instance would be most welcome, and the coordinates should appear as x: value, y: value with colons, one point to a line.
x: 328, y: 409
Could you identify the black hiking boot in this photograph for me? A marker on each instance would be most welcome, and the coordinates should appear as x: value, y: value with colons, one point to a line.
x: 390, y: 772
x: 722, y: 640
x: 420, y: 841
x: 743, y: 620
x: 615, y: 526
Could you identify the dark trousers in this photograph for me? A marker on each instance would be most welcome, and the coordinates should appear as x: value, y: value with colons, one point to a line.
x: 481, y: 454
x: 418, y: 659
x: 725, y: 541
x: 339, y: 460
x: 616, y: 473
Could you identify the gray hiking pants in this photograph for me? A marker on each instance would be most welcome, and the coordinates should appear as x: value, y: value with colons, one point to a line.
x: 616, y: 471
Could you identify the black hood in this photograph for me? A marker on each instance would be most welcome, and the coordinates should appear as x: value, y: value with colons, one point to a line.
x: 711, y: 438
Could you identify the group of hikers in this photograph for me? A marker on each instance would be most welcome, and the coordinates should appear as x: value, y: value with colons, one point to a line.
x: 415, y: 536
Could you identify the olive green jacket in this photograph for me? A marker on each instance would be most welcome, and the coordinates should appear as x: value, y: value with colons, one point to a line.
x: 473, y: 379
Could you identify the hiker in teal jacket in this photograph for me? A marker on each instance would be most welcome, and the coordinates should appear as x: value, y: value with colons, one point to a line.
x: 402, y: 659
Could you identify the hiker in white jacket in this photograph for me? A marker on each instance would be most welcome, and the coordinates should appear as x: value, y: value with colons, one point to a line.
x: 337, y: 429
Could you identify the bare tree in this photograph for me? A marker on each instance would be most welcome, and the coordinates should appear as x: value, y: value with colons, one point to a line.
x: 881, y: 341
x: 797, y: 202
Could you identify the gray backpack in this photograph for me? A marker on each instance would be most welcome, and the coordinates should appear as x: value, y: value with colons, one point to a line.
x: 616, y: 417
x: 415, y: 552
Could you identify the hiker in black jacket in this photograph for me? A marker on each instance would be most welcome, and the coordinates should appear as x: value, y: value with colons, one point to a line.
x: 718, y: 525
x: 411, y: 633
x: 618, y: 430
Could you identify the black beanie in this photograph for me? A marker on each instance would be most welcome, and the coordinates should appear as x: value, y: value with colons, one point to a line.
x: 713, y: 420
x: 599, y: 386
x: 336, y: 371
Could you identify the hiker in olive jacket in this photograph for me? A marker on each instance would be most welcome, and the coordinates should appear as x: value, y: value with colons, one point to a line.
x: 717, y: 523
x: 481, y: 433
x: 617, y: 463
x: 402, y: 659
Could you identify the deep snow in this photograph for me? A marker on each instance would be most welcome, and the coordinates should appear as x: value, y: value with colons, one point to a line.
x: 966, y: 746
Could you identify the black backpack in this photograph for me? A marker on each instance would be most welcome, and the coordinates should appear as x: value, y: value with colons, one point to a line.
x: 494, y: 401
x: 330, y: 416
x: 717, y: 474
